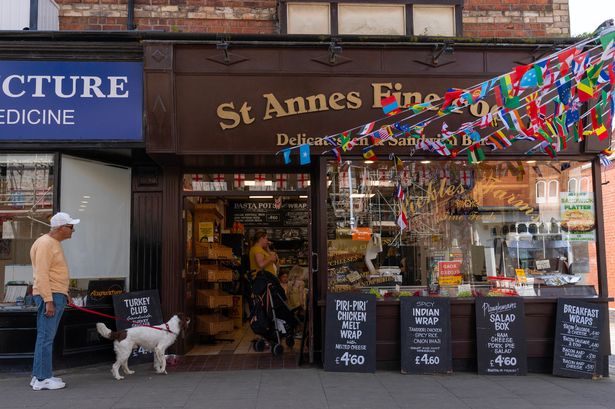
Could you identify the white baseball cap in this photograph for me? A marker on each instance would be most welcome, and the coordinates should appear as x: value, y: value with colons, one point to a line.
x: 61, y: 219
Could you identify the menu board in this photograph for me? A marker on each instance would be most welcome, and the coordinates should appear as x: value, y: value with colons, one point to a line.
x: 426, y: 335
x: 283, y: 219
x: 577, y: 339
x: 500, y: 336
x: 135, y: 309
x: 350, y: 337
x: 577, y: 215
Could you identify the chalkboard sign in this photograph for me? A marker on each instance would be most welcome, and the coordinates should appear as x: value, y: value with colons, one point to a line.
x: 577, y: 339
x: 426, y: 335
x: 500, y: 336
x: 140, y: 308
x: 350, y: 337
x: 288, y: 221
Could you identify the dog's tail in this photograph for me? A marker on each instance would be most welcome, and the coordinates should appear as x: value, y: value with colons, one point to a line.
x: 107, y: 333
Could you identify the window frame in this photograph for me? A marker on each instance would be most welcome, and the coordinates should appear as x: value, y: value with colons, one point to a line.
x: 333, y: 9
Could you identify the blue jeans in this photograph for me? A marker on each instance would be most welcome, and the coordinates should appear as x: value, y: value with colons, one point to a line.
x: 46, y: 328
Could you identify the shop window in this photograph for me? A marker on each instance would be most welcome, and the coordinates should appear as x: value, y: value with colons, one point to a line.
x: 432, y: 20
x: 372, y: 19
x: 430, y: 227
x: 27, y: 193
x: 214, y: 182
x: 99, y: 195
x: 351, y: 17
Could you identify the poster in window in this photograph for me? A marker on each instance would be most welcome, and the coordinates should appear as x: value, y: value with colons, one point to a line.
x: 577, y: 215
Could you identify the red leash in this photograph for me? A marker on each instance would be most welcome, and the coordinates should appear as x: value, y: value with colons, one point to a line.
x: 118, y: 318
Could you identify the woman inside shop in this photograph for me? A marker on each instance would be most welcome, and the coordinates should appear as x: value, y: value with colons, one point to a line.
x: 261, y: 256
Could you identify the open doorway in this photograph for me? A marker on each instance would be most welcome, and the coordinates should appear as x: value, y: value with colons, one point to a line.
x: 219, y: 232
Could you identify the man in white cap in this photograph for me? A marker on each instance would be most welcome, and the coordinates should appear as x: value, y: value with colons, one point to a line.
x: 50, y: 293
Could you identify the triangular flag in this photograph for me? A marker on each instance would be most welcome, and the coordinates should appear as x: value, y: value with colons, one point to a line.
x: 585, y: 90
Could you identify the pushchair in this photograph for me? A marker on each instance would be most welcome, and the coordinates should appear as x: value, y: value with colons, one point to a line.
x: 270, y: 317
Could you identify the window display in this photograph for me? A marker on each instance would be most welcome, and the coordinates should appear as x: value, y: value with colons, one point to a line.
x: 26, y: 204
x: 460, y: 230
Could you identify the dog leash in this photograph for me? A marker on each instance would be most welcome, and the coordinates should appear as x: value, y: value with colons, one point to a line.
x: 167, y: 329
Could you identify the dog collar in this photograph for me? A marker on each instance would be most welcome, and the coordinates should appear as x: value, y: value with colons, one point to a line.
x: 168, y: 329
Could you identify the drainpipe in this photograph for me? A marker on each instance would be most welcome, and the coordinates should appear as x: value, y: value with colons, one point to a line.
x: 130, y: 23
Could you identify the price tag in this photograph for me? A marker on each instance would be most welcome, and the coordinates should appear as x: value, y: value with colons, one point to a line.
x: 520, y: 275
x: 543, y: 264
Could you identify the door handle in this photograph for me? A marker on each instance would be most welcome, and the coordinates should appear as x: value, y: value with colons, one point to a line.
x: 314, y: 262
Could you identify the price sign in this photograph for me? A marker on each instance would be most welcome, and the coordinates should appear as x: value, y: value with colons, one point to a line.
x: 578, y: 330
x: 426, y: 335
x: 350, y: 337
x: 500, y: 336
x: 543, y: 264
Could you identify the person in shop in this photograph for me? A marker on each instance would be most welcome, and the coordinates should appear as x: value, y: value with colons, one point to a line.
x: 50, y: 292
x: 262, y: 258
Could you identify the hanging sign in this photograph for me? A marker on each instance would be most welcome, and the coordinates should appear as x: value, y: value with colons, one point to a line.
x: 426, y: 335
x: 500, y: 336
x: 577, y: 339
x: 350, y: 337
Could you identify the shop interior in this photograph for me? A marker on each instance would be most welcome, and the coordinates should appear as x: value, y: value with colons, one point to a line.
x: 223, y: 214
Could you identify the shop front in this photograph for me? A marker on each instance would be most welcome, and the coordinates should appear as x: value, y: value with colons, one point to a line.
x: 70, y: 126
x: 238, y: 129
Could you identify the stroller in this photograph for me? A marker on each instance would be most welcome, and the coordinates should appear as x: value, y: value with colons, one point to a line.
x: 270, y: 317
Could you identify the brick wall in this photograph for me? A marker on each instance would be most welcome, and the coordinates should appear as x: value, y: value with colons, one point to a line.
x: 608, y: 193
x: 205, y: 16
x: 516, y: 18
x: 481, y: 18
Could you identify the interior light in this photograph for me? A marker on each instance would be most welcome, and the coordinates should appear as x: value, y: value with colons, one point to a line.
x: 261, y: 197
x: 425, y: 161
x: 86, y: 196
x: 302, y: 197
x: 368, y: 162
x: 531, y: 161
x: 249, y: 183
x: 360, y: 195
x: 84, y: 201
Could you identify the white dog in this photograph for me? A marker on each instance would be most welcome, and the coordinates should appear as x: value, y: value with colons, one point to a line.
x: 156, y: 340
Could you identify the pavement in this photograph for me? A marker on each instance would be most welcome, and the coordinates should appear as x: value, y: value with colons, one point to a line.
x: 303, y: 388
x: 306, y: 388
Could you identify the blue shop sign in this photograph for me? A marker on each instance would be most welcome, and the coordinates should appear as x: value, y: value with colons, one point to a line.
x: 71, y: 101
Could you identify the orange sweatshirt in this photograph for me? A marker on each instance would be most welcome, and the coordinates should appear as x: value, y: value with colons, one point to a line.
x: 50, y: 268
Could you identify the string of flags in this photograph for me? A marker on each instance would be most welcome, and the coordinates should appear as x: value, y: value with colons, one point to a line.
x: 543, y: 102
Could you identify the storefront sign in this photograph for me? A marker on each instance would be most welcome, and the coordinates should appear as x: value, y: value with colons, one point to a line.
x: 426, y: 335
x: 449, y: 272
x: 350, y: 337
x: 135, y: 309
x: 500, y: 336
x: 100, y: 292
x: 71, y: 101
x: 577, y: 215
x: 577, y: 339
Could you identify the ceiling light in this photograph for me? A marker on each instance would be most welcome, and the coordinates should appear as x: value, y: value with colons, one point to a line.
x: 531, y: 161
x: 425, y: 161
x: 368, y: 162
x: 261, y: 197
x: 360, y: 195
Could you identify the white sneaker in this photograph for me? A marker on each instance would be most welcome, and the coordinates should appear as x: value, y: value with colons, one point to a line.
x: 49, y: 383
x: 34, y: 380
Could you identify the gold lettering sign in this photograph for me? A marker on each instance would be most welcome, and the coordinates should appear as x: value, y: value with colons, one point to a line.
x: 232, y: 114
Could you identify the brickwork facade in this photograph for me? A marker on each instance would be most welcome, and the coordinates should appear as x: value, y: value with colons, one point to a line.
x: 481, y: 18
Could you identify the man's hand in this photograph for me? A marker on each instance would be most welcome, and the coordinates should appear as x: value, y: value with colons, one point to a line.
x: 50, y: 309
